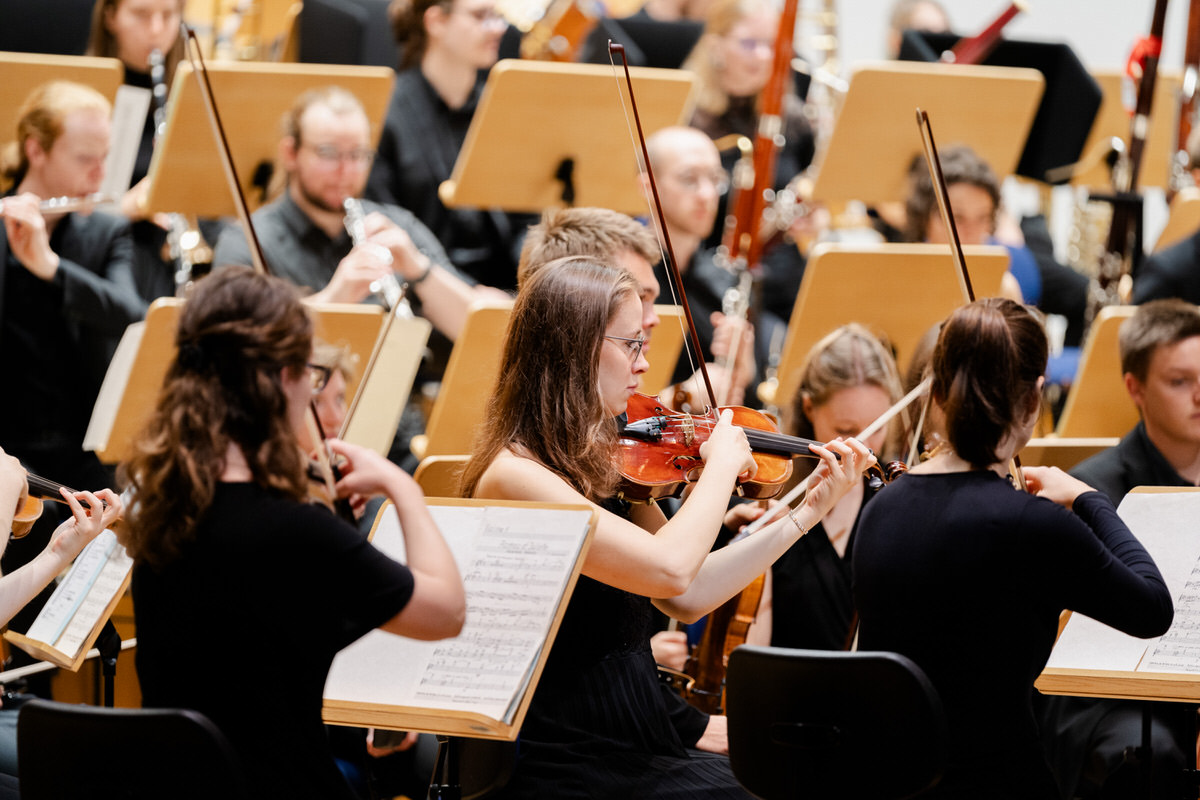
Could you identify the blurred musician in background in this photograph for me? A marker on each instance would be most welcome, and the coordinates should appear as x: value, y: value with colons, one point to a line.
x: 1087, y: 738
x: 325, y: 153
x: 66, y: 291
x: 446, y: 47
x: 914, y: 15
x: 849, y: 380
x: 145, y: 36
x: 1034, y: 278
x: 691, y: 183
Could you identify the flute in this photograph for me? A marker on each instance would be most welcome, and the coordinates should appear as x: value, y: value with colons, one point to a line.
x: 389, y: 289
x: 65, y: 205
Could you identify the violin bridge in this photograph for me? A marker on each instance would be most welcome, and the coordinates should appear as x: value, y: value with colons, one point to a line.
x: 688, y: 426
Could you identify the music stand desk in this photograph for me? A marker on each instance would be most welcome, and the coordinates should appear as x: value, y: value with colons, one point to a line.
x: 874, y: 139
x: 1093, y: 660
x: 1183, y: 219
x: 1097, y: 402
x: 901, y: 290
x: 251, y: 99
x: 21, y: 73
x: 537, y: 119
x: 1112, y: 120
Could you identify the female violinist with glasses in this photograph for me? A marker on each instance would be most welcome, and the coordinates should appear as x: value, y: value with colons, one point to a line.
x: 598, y: 726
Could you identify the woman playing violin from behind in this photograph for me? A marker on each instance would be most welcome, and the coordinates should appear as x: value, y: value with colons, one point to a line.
x: 228, y: 554
x: 597, y: 726
x: 966, y: 576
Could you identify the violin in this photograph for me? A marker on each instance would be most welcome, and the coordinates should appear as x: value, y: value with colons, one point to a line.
x: 29, y: 509
x: 660, y: 451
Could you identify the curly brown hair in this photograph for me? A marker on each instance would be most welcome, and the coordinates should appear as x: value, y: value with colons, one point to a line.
x: 238, y: 334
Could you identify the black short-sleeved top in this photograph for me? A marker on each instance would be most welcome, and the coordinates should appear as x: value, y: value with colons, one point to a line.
x: 966, y: 576
x: 244, y: 625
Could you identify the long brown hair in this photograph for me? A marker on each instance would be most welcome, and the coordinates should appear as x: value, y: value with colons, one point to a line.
x: 547, y: 404
x: 408, y: 27
x: 985, y: 367
x: 238, y: 332
x: 102, y: 43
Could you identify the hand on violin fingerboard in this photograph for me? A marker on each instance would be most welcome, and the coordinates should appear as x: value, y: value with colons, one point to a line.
x: 834, y: 476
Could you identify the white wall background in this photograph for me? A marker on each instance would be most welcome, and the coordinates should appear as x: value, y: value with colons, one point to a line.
x: 1100, y: 31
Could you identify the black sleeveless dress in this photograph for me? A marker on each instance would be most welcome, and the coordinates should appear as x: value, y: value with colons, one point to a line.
x: 598, y: 725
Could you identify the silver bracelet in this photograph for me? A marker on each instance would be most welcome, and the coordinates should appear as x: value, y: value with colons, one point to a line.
x: 792, y: 515
x: 429, y: 265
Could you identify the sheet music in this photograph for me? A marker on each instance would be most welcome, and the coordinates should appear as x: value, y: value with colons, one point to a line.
x: 1164, y: 524
x: 515, y: 563
x: 80, y: 600
x: 1178, y: 650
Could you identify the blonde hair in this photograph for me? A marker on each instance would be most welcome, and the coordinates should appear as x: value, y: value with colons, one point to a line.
x: 848, y: 357
x: 723, y: 15
x: 41, y: 118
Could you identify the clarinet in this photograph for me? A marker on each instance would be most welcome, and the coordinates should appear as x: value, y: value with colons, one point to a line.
x: 158, y: 78
x: 387, y: 289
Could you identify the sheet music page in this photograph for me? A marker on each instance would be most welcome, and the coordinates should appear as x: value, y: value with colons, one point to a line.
x: 112, y: 390
x: 1178, y: 650
x: 515, y: 563
x: 1164, y: 524
x: 91, y: 609
x: 81, y: 598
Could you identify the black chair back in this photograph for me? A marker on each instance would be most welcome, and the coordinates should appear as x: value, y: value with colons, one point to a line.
x: 819, y: 724
x: 92, y: 753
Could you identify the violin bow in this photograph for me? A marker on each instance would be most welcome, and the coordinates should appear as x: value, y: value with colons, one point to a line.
x: 195, y: 57
x: 672, y: 264
x: 956, y: 251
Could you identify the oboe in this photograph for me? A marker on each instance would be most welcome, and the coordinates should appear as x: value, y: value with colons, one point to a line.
x: 388, y: 289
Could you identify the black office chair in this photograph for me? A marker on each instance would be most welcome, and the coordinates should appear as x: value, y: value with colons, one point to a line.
x: 93, y: 753
x: 818, y: 724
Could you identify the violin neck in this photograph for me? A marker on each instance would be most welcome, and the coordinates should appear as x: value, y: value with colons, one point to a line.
x: 45, y: 489
x: 779, y: 444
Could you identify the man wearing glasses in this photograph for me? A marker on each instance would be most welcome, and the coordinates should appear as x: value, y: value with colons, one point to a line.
x: 326, y: 156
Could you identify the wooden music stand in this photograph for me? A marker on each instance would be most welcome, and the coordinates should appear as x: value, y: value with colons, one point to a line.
x: 1112, y: 120
x: 474, y: 366
x: 901, y: 290
x: 1093, y: 660
x: 542, y: 127
x: 136, y: 372
x: 1183, y: 219
x: 1097, y: 402
x: 438, y: 476
x: 251, y: 98
x: 480, y: 683
x: 21, y: 73
x: 989, y: 108
x: 1051, y: 451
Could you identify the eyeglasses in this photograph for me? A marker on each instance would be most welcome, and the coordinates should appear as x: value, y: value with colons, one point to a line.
x: 318, y: 376
x: 694, y: 181
x: 748, y: 44
x: 331, y: 155
x: 633, y: 347
x: 484, y: 16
